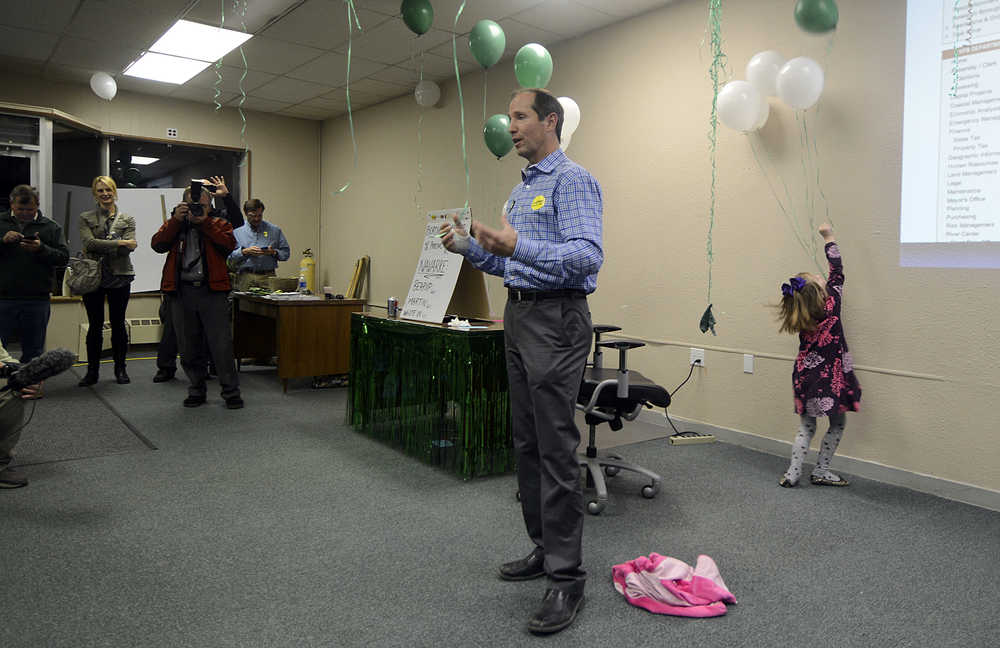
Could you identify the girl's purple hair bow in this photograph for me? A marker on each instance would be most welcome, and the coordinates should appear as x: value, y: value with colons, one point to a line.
x: 794, y: 285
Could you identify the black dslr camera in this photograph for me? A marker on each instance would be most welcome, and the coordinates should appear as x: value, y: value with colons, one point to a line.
x: 195, y: 206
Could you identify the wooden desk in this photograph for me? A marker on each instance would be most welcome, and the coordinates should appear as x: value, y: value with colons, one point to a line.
x: 310, y: 337
x: 437, y: 393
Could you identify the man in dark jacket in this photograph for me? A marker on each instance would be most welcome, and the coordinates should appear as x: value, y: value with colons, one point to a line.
x: 197, y: 242
x: 31, y: 250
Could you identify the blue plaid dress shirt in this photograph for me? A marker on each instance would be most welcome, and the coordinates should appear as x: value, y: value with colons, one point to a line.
x: 556, y: 210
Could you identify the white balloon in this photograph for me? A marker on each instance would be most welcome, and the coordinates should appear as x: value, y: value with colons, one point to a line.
x: 571, y: 117
x: 800, y: 82
x: 762, y: 71
x: 566, y: 139
x: 738, y: 105
x: 427, y: 93
x: 763, y: 113
x: 103, y: 85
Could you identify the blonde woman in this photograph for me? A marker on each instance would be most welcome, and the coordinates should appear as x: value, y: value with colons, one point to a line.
x: 108, y: 236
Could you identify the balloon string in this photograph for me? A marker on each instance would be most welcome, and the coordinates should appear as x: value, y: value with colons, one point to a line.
x: 485, y: 72
x: 243, y: 92
x: 218, y: 64
x: 718, y: 65
x: 350, y: 115
x: 461, y: 101
x: 420, y: 146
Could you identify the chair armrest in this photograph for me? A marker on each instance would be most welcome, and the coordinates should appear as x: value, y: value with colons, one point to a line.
x: 621, y: 344
x: 605, y: 328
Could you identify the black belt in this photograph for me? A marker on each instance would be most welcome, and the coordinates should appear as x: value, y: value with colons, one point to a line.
x: 513, y: 294
x: 196, y: 284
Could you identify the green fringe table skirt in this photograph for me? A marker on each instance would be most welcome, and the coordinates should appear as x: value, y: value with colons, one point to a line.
x: 436, y: 393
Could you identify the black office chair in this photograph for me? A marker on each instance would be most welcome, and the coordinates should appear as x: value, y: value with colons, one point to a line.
x: 608, y: 396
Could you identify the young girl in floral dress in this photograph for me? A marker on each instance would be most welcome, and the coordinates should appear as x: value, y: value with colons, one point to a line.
x: 823, y: 378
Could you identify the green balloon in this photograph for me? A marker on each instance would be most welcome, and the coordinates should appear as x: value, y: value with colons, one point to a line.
x: 496, y: 134
x: 816, y: 16
x: 418, y: 15
x: 533, y: 66
x: 487, y: 42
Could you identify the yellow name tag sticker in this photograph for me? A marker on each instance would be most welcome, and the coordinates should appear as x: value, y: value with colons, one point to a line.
x: 538, y: 202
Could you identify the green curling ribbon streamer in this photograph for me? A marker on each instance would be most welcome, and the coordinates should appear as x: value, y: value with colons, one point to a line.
x: 218, y: 64
x: 461, y: 102
x: 420, y: 146
x: 350, y: 117
x: 243, y: 92
x: 715, y: 69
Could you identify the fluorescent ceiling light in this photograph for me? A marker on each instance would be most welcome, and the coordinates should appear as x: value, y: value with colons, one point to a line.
x: 168, y: 69
x: 140, y: 160
x: 196, y: 41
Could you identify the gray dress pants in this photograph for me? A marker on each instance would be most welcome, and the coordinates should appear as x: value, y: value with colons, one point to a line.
x: 547, y: 343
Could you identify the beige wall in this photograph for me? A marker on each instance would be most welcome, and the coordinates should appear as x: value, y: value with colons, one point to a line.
x: 284, y: 169
x: 925, y: 340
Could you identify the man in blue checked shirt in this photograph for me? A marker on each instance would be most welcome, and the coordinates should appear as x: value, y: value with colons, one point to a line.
x: 548, y: 250
x: 259, y: 247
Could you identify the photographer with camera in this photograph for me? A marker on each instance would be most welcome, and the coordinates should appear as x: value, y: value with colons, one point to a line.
x: 166, y: 354
x: 197, y: 242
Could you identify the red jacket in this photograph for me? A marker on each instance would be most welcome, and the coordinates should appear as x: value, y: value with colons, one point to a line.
x: 217, y: 241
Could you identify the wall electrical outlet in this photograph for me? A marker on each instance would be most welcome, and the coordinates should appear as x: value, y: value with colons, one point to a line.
x: 172, y: 133
x: 697, y: 357
x: 747, y: 363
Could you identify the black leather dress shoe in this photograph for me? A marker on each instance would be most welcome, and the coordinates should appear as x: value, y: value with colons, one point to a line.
x: 558, y: 611
x: 194, y: 401
x: 163, y: 375
x: 88, y: 380
x: 532, y: 566
x: 121, y: 376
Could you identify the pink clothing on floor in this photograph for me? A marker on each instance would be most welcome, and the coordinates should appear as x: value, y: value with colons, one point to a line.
x: 665, y: 585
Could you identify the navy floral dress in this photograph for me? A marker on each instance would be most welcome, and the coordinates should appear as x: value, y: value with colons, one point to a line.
x: 823, y: 378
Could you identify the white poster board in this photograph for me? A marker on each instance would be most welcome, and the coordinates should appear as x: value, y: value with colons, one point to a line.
x: 437, y: 270
x: 146, y: 206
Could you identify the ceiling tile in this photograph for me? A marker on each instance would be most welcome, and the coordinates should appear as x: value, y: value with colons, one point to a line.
x: 24, y: 44
x: 624, y: 8
x: 305, y: 113
x: 290, y: 90
x: 320, y: 23
x: 258, y: 13
x: 434, y: 66
x: 55, y: 72
x: 461, y: 48
x: 261, y: 105
x: 392, y: 42
x: 130, y: 23
x: 378, y: 89
x: 42, y: 15
x: 202, y: 95
x: 338, y: 97
x: 399, y: 76
x: 273, y: 56
x: 476, y: 10
x: 230, y: 79
x: 331, y: 69
x: 144, y: 86
x: 519, y: 34
x: 565, y: 17
x: 96, y: 55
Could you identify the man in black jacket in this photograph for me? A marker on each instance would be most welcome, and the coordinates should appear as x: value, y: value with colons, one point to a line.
x: 32, y: 248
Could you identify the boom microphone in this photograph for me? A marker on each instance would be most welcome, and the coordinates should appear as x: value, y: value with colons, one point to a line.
x: 44, y: 366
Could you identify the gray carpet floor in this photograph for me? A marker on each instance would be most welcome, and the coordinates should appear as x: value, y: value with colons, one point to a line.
x: 277, y: 525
